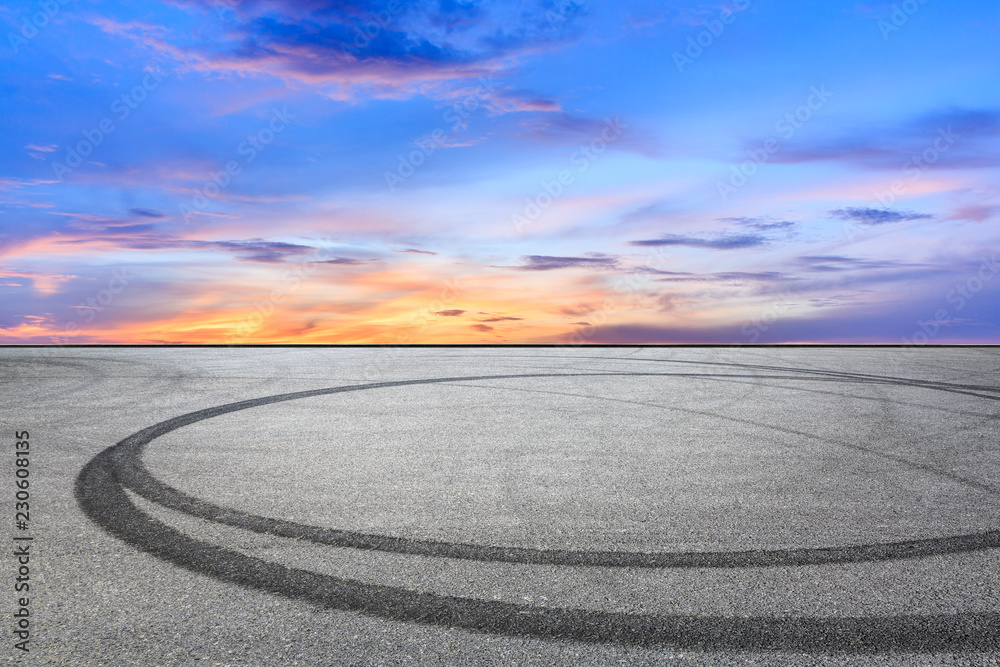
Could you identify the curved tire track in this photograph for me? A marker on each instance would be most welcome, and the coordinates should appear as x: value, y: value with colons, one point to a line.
x: 100, y: 491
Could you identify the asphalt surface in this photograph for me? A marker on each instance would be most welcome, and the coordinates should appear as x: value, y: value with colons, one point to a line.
x: 328, y: 506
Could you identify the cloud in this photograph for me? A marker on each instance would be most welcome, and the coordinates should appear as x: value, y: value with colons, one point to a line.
x: 975, y: 213
x: 346, y: 261
x: 363, y: 46
x: 907, y: 276
x: 646, y: 18
x: 737, y: 277
x: 97, y: 225
x: 449, y: 313
x: 549, y: 263
x: 501, y: 319
x: 42, y: 282
x: 877, y: 216
x: 513, y: 101
x: 146, y: 213
x: 830, y: 263
x: 257, y: 250
x: 481, y: 327
x: 955, y: 138
x: 666, y: 302
x: 895, y: 321
x: 581, y: 324
x: 717, y: 242
x: 582, y: 309
x: 564, y: 129
x: 134, y: 237
x: 652, y: 211
x: 416, y: 252
x: 761, y: 224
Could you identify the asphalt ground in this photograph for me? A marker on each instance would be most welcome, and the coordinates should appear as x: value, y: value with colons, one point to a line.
x: 585, y: 505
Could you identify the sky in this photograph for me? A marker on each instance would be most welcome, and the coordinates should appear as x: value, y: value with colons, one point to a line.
x: 537, y: 171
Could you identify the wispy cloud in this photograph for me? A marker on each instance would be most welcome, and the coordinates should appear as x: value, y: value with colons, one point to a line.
x: 345, y: 261
x: 761, y: 224
x: 956, y: 138
x: 147, y: 213
x: 976, y: 212
x: 731, y: 277
x: 550, y: 263
x: 511, y: 101
x: 830, y: 263
x: 716, y: 242
x: 138, y: 237
x: 877, y: 216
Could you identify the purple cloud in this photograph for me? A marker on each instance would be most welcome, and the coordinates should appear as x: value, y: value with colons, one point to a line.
x: 146, y: 213
x: 877, y: 216
x: 387, y: 48
x: 725, y: 277
x: 761, y: 224
x: 258, y: 250
x: 252, y: 250
x: 828, y: 263
x: 718, y: 242
x: 549, y: 263
x: 955, y: 138
x: 346, y: 261
x: 892, y: 322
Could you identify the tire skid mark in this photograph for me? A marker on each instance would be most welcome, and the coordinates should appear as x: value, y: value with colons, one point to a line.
x: 100, y: 491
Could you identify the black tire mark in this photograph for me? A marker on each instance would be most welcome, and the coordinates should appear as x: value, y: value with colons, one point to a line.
x: 100, y: 491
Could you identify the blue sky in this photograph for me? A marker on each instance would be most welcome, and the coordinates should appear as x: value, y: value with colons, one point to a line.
x: 484, y: 172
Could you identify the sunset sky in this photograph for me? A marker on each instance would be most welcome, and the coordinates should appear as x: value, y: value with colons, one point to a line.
x: 269, y: 171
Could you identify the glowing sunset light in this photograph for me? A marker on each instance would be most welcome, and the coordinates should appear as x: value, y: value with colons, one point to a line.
x: 558, y: 172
